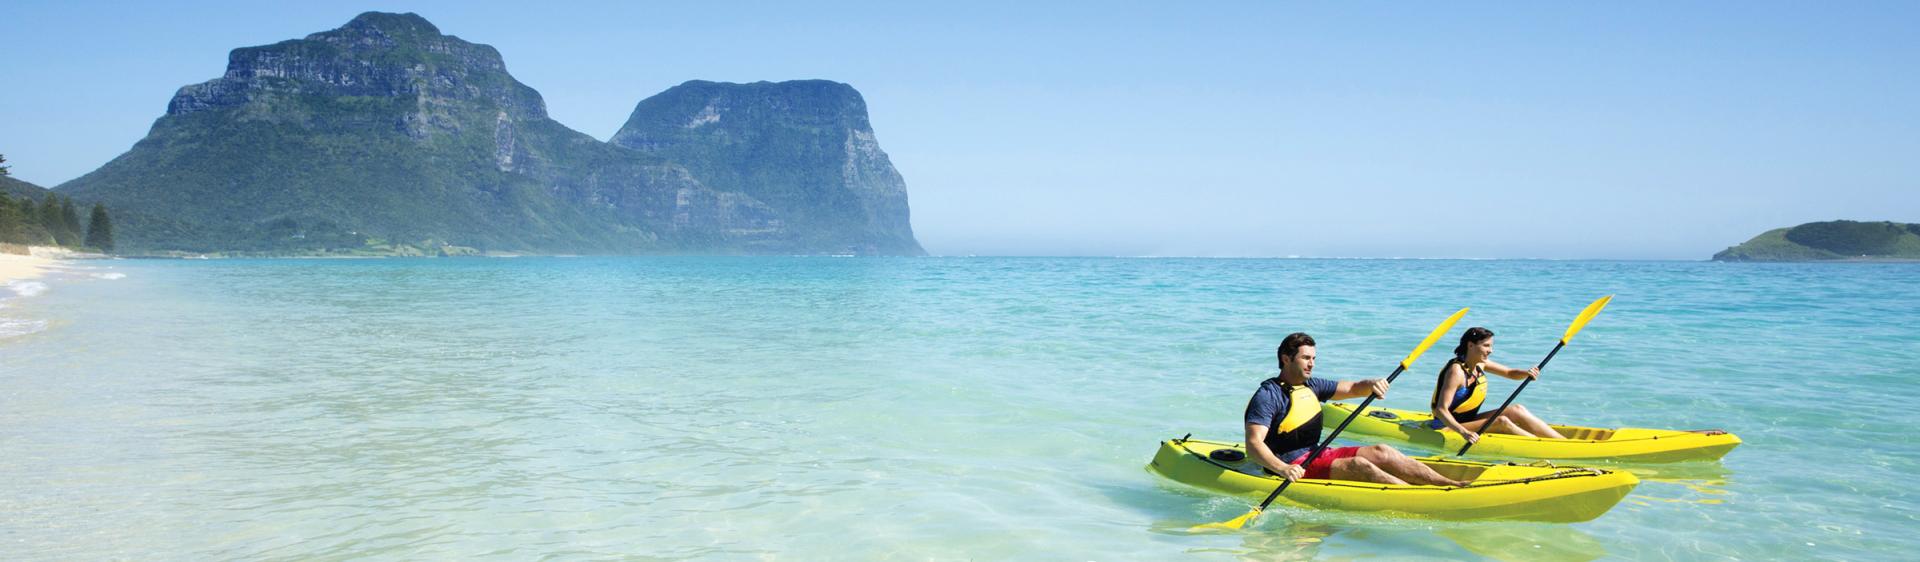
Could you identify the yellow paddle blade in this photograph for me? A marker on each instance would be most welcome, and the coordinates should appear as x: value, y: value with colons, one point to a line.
x: 1236, y: 524
x: 1434, y: 337
x: 1585, y: 315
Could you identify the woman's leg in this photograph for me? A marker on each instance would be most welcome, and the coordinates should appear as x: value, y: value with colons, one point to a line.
x: 1526, y: 420
x: 1505, y: 425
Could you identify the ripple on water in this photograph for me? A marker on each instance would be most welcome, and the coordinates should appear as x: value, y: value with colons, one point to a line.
x: 943, y: 408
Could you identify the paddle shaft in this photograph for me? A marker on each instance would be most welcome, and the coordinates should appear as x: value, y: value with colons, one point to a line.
x: 1516, y: 392
x: 1315, y: 453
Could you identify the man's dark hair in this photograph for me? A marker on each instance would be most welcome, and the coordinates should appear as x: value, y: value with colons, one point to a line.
x: 1290, y: 346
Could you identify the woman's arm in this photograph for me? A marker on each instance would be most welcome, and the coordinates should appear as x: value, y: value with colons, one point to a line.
x: 1443, y: 411
x: 1510, y: 372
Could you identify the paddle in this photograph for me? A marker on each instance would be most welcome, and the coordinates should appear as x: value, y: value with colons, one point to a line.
x: 1578, y: 323
x: 1241, y: 521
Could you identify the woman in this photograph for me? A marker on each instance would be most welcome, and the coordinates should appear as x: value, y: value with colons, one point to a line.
x: 1463, y: 389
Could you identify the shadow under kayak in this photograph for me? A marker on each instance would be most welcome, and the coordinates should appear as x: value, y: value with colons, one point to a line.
x: 1507, y: 491
x: 1626, y: 444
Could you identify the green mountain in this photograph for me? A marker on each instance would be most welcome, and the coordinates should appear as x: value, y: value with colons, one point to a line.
x: 804, y: 148
x: 1830, y: 240
x: 386, y: 131
x: 16, y: 189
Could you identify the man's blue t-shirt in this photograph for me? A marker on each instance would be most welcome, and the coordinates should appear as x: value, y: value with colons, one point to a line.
x: 1269, y: 405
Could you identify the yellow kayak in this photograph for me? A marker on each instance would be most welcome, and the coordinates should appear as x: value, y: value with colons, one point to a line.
x: 1626, y: 444
x: 1539, y: 492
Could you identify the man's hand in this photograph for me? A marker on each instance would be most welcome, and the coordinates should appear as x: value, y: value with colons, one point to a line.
x: 1378, y: 387
x: 1292, y: 472
x: 1470, y: 436
x: 1533, y: 373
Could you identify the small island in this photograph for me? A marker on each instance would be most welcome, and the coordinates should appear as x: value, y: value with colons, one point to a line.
x: 1831, y: 240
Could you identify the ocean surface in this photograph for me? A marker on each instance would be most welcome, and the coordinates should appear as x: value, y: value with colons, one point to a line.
x: 936, y: 408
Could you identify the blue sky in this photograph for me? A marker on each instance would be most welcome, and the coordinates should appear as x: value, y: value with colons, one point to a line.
x: 1598, y: 130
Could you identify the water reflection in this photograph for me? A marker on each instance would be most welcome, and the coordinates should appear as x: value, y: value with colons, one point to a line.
x: 1525, y: 542
x: 1285, y: 533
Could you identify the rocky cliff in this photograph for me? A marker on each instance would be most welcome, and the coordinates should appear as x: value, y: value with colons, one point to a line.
x: 804, y: 148
x: 388, y: 131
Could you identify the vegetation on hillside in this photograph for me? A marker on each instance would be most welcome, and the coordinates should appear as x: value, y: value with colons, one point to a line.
x: 1830, y: 240
x: 385, y: 137
x: 787, y: 144
x: 53, y: 222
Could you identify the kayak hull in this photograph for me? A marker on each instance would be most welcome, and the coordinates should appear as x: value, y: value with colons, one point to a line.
x: 1627, y: 444
x: 1508, y: 491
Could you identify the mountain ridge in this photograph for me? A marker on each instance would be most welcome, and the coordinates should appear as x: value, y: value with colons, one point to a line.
x: 385, y: 131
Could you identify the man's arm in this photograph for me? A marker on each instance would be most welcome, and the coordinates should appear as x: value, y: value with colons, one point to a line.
x: 1257, y: 448
x: 1359, y: 388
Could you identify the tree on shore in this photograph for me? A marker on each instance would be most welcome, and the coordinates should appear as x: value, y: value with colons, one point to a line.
x: 22, y: 224
x: 55, y: 220
x: 70, y: 219
x: 27, y: 214
x: 9, y: 218
x: 55, y: 224
x: 100, y: 229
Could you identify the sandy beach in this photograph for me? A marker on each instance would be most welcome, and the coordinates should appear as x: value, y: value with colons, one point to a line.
x: 15, y: 267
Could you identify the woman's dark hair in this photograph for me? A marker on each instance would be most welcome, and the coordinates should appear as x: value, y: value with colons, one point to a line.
x: 1290, y: 346
x: 1474, y: 335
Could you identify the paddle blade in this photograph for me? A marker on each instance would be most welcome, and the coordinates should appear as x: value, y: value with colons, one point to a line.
x: 1234, y: 525
x: 1432, y: 337
x: 1585, y: 315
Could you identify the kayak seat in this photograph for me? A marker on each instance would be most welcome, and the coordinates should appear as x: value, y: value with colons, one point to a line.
x: 1227, y: 455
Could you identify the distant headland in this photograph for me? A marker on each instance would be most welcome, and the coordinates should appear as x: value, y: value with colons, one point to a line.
x: 1829, y: 241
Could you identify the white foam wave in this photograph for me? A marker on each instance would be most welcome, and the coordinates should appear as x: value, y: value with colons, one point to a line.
x: 110, y: 276
x: 26, y: 288
x: 12, y: 328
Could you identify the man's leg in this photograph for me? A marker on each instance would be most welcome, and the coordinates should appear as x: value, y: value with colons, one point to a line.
x: 1362, y: 470
x: 1398, y: 464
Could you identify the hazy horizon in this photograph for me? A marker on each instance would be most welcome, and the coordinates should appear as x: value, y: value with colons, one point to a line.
x: 1631, y: 131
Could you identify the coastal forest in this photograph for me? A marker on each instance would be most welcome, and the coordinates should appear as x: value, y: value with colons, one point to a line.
x: 53, y: 221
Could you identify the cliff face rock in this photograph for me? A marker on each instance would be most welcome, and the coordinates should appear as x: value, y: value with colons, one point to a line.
x: 804, y: 148
x: 387, y: 130
x: 1830, y: 240
x: 375, y: 55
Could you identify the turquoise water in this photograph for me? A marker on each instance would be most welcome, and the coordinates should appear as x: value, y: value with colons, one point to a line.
x: 943, y: 408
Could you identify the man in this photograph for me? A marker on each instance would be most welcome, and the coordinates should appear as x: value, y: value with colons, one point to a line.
x: 1283, y: 426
